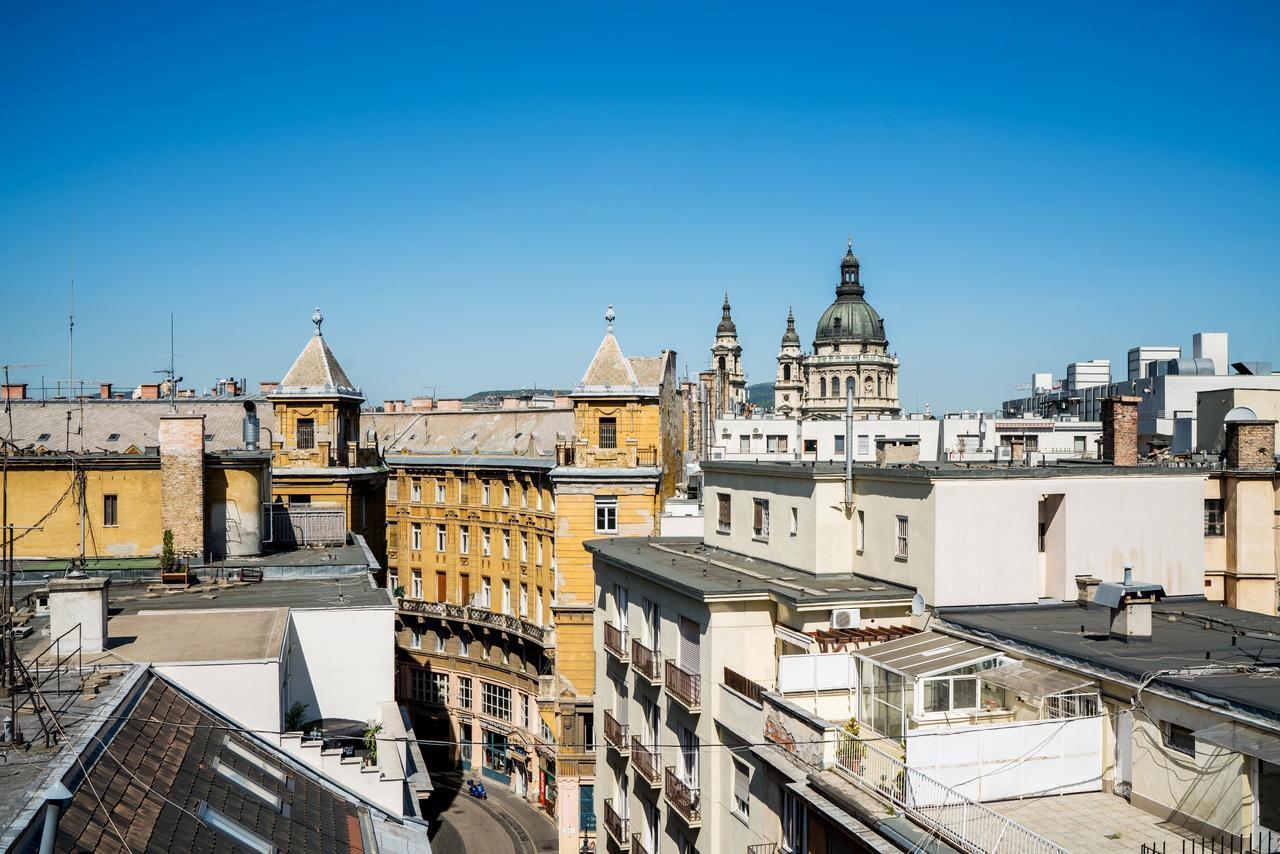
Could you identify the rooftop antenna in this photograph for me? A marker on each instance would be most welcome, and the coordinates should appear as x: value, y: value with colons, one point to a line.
x: 169, y: 373
x: 71, y: 333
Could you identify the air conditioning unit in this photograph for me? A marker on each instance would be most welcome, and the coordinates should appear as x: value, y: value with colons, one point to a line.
x: 845, y: 618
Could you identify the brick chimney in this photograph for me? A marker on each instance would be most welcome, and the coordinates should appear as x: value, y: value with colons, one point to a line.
x: 15, y: 391
x: 1120, y: 430
x: 1086, y: 586
x: 450, y: 405
x: 1251, y: 445
x: 104, y: 391
x: 182, y: 482
x: 422, y: 404
x: 267, y: 386
x: 149, y: 391
x: 232, y: 388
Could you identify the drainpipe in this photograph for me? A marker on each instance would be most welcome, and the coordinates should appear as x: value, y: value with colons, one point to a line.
x: 848, y: 449
x: 55, y: 800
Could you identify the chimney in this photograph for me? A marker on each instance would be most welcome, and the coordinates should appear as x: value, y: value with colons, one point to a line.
x: 510, y: 403
x: 182, y: 482
x: 80, y: 601
x: 562, y: 401
x: 891, y: 451
x: 232, y: 388
x: 104, y: 391
x: 1130, y: 604
x: 149, y: 391
x: 1120, y: 430
x: 15, y: 391
x: 422, y: 404
x: 1086, y: 586
x: 1251, y: 445
x: 267, y: 386
x: 451, y: 405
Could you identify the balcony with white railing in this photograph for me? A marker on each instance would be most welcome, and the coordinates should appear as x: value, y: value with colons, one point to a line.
x: 615, y: 642
x: 616, y: 826
x: 646, y: 662
x: 645, y: 762
x: 684, y: 799
x: 615, y: 735
x: 686, y: 687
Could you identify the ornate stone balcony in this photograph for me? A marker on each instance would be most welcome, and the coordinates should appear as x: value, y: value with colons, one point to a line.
x: 645, y: 762
x: 686, y: 687
x: 479, y: 617
x: 615, y: 734
x: 683, y: 798
x: 646, y: 662
x: 615, y: 642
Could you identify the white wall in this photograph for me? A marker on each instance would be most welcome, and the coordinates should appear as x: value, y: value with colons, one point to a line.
x: 248, y: 692
x: 341, y: 661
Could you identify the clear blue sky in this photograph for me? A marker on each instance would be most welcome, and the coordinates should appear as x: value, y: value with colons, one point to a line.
x: 463, y: 189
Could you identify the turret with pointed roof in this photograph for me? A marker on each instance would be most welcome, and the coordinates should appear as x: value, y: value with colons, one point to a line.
x: 316, y: 371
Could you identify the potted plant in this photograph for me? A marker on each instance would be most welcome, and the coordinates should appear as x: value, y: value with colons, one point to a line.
x: 857, y: 749
x: 167, y: 558
x: 371, y: 742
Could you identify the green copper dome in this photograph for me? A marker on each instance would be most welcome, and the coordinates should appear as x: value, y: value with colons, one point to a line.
x: 850, y: 319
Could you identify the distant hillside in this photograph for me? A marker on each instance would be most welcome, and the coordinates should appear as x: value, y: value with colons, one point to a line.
x: 514, y: 392
x: 760, y: 394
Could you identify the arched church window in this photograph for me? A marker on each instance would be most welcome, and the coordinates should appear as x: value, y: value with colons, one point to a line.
x: 722, y: 363
x: 786, y: 373
x: 822, y: 386
x: 835, y: 386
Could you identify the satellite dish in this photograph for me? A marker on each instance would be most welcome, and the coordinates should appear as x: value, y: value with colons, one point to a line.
x: 917, y: 605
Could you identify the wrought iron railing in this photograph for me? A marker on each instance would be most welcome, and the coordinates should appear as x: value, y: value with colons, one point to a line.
x: 615, y: 641
x: 684, y: 686
x: 615, y: 733
x: 478, y: 616
x: 943, y: 811
x: 647, y: 662
x: 647, y: 457
x: 744, y: 686
x: 645, y: 761
x: 683, y: 797
x: 615, y: 824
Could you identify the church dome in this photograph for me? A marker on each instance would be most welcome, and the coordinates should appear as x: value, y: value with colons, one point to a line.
x: 850, y: 319
x: 790, y: 337
x: 727, y: 326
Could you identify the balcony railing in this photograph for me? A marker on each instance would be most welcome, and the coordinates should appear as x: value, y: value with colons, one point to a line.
x: 944, y: 812
x: 684, y: 686
x: 615, y: 734
x: 616, y: 825
x: 646, y: 662
x: 645, y: 762
x: 744, y: 686
x: 615, y: 642
x: 476, y: 616
x: 683, y: 798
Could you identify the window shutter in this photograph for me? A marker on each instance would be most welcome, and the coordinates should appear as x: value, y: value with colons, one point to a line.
x: 741, y: 782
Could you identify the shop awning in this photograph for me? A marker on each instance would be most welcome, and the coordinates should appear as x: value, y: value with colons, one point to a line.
x: 1242, y: 739
x: 1034, y: 681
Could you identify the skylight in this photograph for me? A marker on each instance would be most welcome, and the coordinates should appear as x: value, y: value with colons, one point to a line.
x: 253, y: 759
x: 43, y: 437
x: 259, y: 791
x: 114, y: 437
x: 232, y: 828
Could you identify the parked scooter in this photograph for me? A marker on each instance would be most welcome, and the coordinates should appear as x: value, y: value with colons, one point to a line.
x: 476, y: 790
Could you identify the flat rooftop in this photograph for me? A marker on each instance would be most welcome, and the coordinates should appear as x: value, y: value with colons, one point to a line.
x: 708, y: 572
x: 946, y: 469
x: 1185, y: 633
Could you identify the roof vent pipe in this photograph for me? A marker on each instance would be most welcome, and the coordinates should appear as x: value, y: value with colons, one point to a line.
x: 249, y: 429
x: 55, y: 801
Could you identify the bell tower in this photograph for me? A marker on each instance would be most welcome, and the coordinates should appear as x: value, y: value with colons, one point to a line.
x: 788, y: 385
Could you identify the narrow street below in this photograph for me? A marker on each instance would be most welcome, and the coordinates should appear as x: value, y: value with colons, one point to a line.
x: 503, y: 824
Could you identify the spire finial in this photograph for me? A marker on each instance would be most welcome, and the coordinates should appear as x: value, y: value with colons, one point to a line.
x: 317, y: 318
x: 609, y: 316
x: 850, y: 243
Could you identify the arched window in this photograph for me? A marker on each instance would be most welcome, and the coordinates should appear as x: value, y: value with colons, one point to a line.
x: 722, y: 363
x: 786, y: 373
x: 822, y: 387
x: 835, y: 386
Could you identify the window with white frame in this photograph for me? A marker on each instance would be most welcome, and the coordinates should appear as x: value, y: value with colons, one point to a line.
x: 440, y: 492
x: 523, y: 703
x: 415, y: 639
x: 538, y: 541
x: 416, y: 587
x: 506, y: 495
x: 524, y: 547
x: 900, y: 538
x: 862, y: 530
x: 495, y: 701
x: 415, y: 536
x: 839, y: 443
x: 524, y: 495
x: 864, y: 445
x: 506, y: 545
x: 417, y: 490
x: 506, y: 596
x: 419, y: 685
x: 760, y: 518
x: 486, y: 592
x: 744, y: 444
x: 795, y: 521
x: 442, y: 538
x: 741, y: 788
x: 524, y: 600
x: 486, y: 541
x: 464, y: 692
x: 464, y: 539
x: 537, y: 493
x: 537, y: 604
x: 484, y: 494
x: 439, y: 688
x: 606, y: 514
x: 441, y: 643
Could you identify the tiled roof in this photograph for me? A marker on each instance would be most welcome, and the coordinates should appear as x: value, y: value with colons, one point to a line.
x: 521, y: 432
x: 115, y: 425
x: 608, y: 366
x: 647, y: 369
x: 160, y: 766
x: 316, y: 369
